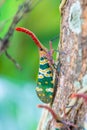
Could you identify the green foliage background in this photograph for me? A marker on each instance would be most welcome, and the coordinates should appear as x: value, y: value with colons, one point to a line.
x: 44, y: 21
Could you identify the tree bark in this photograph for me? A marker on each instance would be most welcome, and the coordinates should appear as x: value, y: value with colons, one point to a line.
x: 73, y: 73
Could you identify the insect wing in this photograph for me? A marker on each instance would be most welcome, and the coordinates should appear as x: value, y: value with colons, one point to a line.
x: 44, y: 87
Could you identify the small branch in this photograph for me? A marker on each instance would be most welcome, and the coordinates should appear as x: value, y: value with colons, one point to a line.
x: 26, y: 7
x: 13, y: 60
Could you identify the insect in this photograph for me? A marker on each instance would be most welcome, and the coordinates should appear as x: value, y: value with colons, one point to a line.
x: 59, y: 123
x: 79, y: 94
x: 45, y: 85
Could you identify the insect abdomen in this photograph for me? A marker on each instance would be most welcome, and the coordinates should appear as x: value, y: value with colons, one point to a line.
x: 44, y: 87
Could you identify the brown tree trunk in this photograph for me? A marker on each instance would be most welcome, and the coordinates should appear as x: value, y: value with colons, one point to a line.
x: 73, y: 73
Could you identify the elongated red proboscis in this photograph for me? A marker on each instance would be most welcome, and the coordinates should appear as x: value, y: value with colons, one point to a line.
x: 57, y: 118
x: 50, y: 110
x: 31, y: 34
x: 80, y: 95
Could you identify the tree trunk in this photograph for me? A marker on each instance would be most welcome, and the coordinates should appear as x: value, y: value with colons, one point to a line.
x: 73, y: 73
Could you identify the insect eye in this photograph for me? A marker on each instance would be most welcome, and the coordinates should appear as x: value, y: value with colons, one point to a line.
x: 41, y: 49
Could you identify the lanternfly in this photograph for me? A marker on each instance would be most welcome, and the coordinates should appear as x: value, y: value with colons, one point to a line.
x: 45, y: 87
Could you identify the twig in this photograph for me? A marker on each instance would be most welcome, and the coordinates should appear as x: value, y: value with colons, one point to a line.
x: 26, y: 7
x: 13, y: 60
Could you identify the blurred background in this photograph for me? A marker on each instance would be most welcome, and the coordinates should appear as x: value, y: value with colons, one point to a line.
x: 18, y: 99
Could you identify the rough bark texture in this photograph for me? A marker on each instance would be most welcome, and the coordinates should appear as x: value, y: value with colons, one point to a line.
x: 73, y: 74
